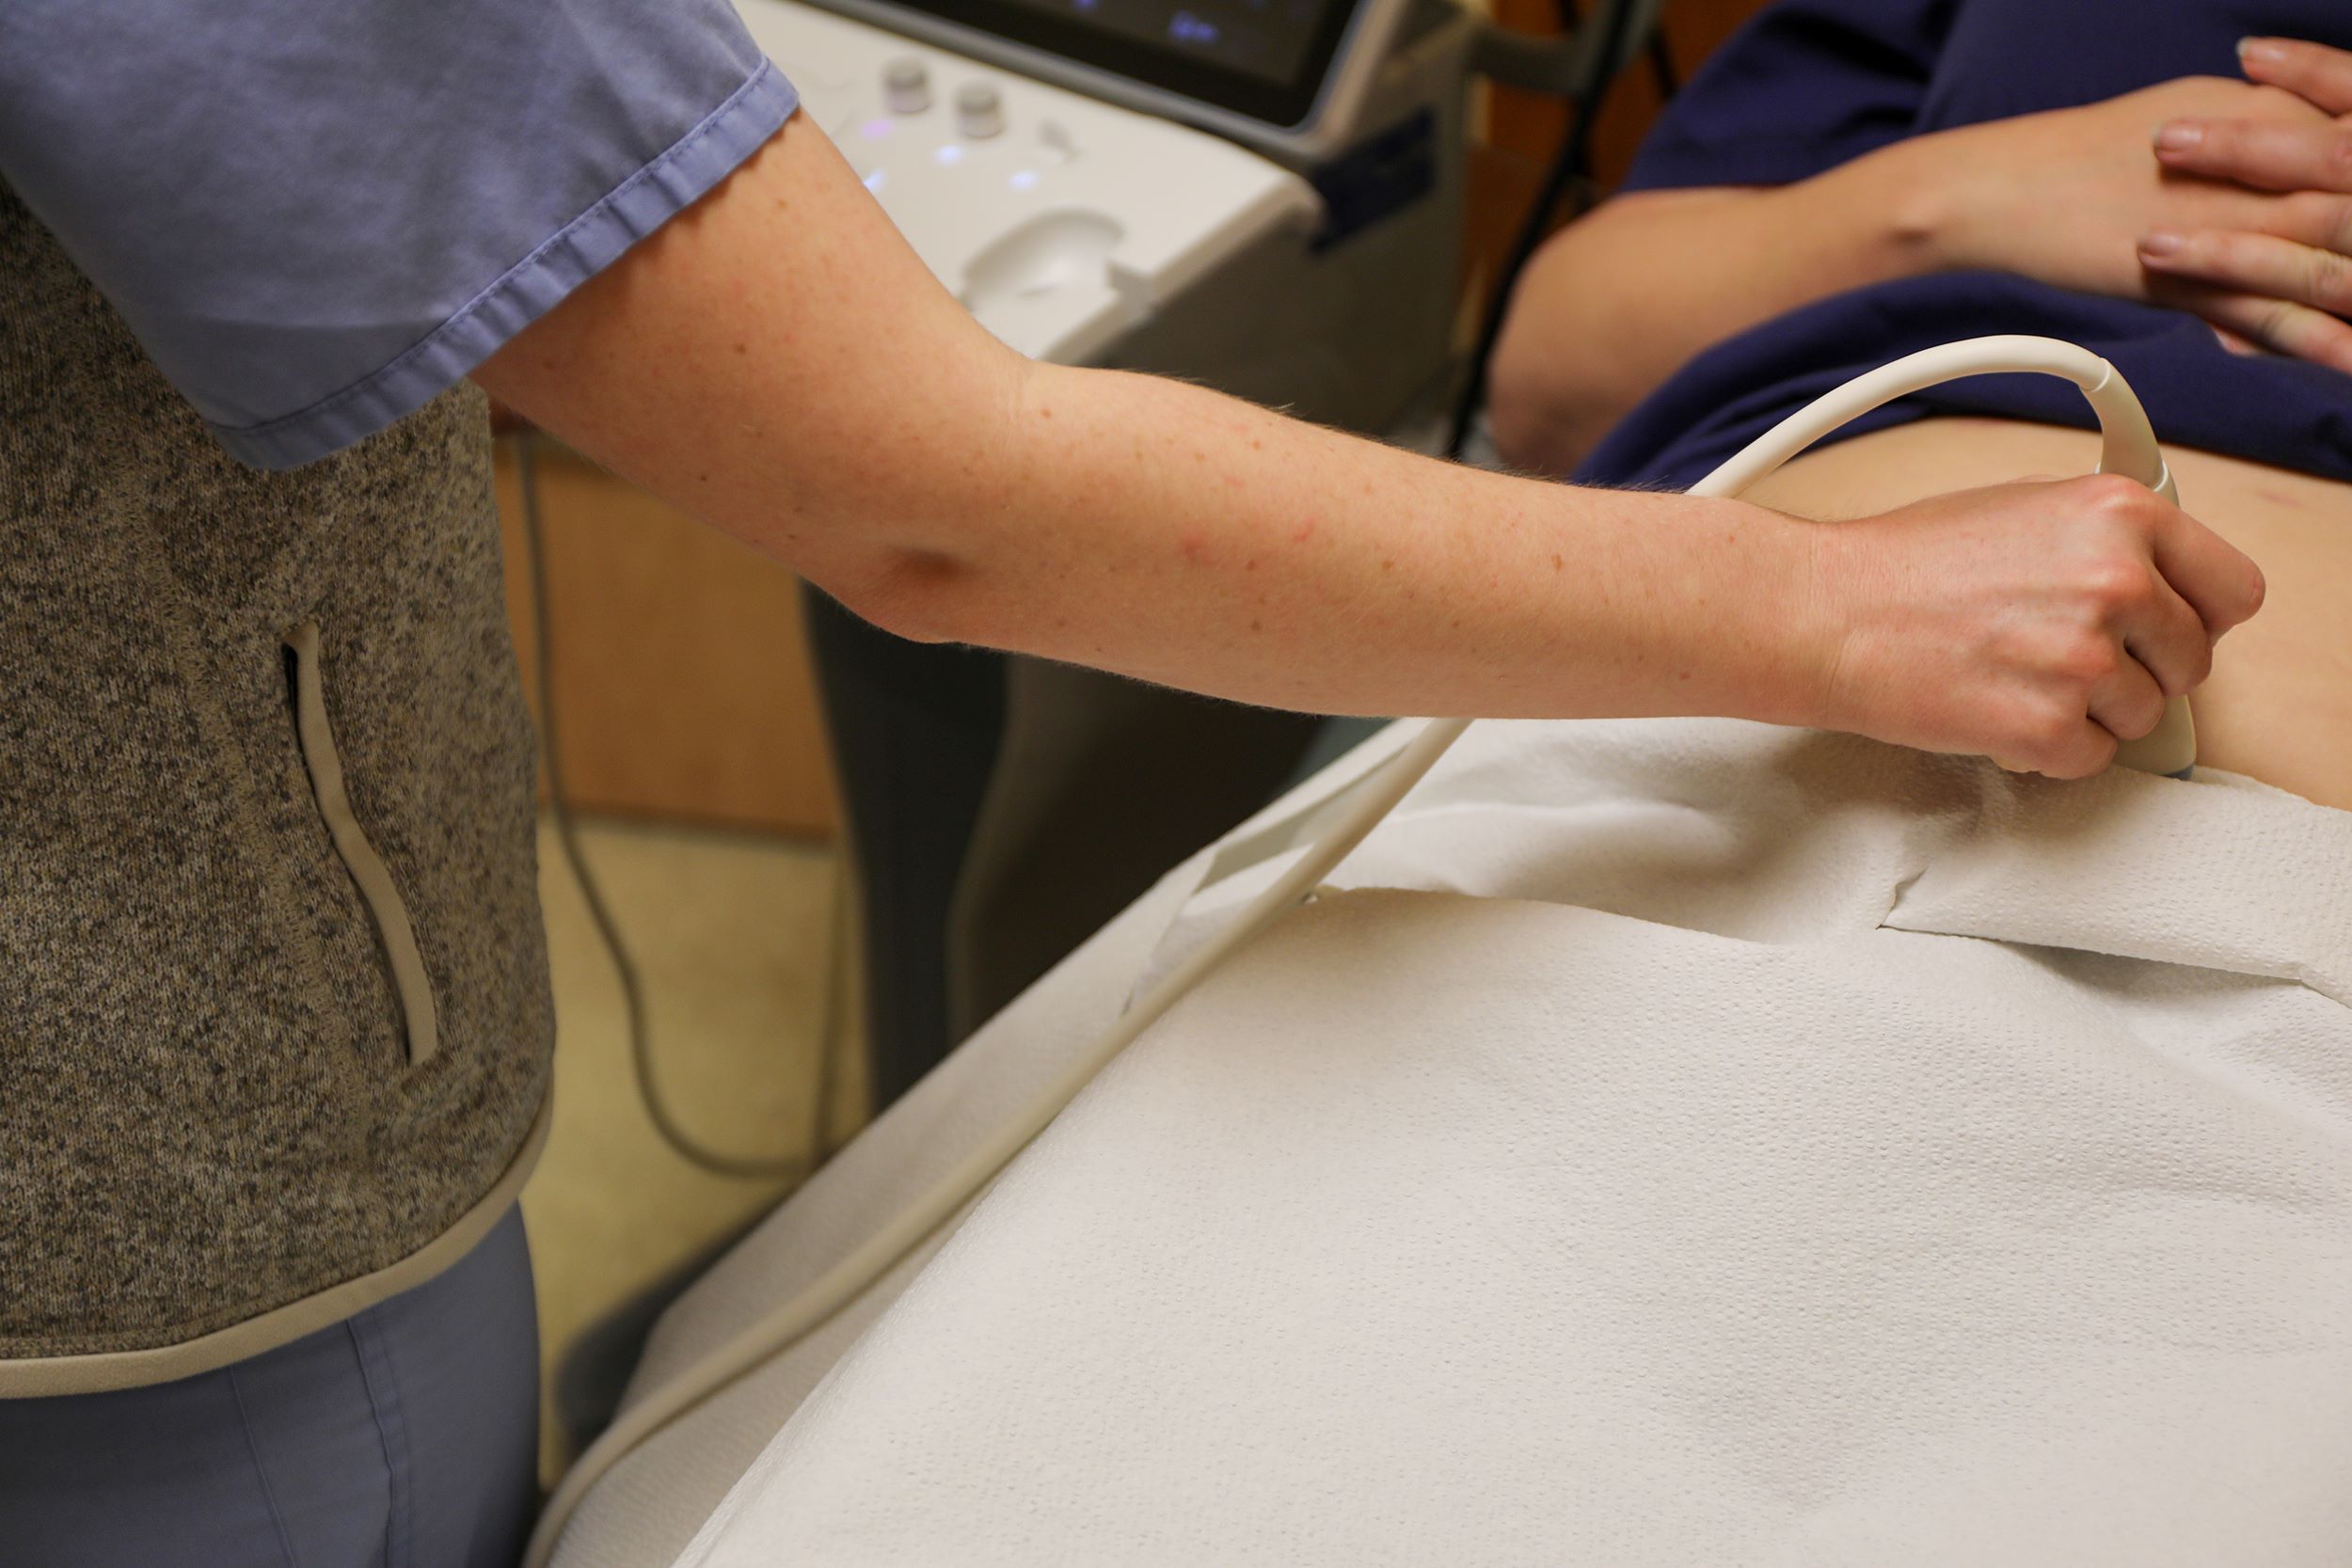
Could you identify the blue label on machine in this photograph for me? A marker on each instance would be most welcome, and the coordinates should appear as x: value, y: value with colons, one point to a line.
x: 1386, y: 174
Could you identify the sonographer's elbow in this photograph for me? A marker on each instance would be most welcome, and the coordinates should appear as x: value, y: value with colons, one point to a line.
x: 920, y: 595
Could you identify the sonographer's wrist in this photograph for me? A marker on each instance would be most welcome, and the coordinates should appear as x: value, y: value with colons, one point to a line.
x: 1772, y: 617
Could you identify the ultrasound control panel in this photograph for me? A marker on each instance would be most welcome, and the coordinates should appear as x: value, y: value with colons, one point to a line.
x: 1062, y: 222
x: 1284, y: 75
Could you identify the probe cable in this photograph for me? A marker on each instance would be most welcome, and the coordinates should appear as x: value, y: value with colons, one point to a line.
x: 674, y: 1132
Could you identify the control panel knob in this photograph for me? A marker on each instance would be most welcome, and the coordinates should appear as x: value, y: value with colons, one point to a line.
x: 979, y: 109
x: 906, y: 87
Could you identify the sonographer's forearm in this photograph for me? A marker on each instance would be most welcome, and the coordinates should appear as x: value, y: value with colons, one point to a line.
x: 1183, y: 537
x: 778, y: 363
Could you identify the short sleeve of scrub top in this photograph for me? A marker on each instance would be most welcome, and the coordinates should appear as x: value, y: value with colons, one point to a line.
x: 1804, y: 86
x: 318, y: 215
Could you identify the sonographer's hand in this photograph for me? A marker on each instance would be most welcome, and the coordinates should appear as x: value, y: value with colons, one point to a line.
x: 2284, y: 284
x: 2036, y: 624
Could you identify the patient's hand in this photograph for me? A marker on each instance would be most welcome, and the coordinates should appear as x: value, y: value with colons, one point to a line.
x: 1614, y: 304
x: 2284, y: 284
x: 2065, y: 196
x: 2036, y: 624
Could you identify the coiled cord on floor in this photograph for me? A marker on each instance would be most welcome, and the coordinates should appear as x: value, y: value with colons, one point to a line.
x: 673, y: 1132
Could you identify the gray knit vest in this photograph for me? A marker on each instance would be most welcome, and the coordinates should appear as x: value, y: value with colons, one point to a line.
x: 274, y: 1013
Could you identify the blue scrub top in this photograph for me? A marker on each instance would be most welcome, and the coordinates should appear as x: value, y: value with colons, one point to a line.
x: 1812, y: 84
x: 317, y: 214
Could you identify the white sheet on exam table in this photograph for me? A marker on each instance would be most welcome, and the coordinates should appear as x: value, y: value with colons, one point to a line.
x: 1812, y: 817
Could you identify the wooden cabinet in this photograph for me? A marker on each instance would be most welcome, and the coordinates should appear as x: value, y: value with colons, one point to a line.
x: 682, y: 682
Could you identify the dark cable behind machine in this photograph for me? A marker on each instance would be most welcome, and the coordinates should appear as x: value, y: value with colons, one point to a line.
x: 1571, y: 167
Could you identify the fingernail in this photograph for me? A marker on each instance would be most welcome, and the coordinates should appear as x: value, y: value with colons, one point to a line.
x: 2180, y: 136
x: 2160, y: 243
x: 2261, y: 51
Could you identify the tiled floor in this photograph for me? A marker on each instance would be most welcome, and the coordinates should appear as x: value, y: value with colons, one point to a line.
x: 735, y: 940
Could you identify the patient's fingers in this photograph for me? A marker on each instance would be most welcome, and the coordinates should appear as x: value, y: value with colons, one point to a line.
x: 2245, y: 348
x: 2310, y: 70
x: 2266, y: 155
x: 2282, y: 325
x: 2253, y: 263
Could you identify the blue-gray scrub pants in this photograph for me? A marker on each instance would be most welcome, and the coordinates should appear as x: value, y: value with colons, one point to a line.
x: 404, y: 1438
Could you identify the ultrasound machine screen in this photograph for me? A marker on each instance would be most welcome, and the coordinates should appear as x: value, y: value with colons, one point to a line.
x: 1263, y: 59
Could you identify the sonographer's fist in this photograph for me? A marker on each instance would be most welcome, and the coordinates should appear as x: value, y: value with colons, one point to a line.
x: 2036, y: 623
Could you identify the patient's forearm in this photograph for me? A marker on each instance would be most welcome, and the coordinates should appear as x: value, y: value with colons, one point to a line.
x: 1614, y: 305
x: 1619, y: 302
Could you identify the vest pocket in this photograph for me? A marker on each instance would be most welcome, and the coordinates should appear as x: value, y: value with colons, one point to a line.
x: 411, y: 986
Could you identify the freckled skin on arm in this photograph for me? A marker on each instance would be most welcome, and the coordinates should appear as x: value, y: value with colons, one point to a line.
x: 825, y: 401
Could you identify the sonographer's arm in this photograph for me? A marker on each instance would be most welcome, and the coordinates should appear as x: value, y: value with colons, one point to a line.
x: 777, y: 361
x: 1616, y: 303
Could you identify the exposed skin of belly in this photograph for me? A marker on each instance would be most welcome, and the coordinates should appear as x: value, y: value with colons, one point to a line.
x: 2278, y: 706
